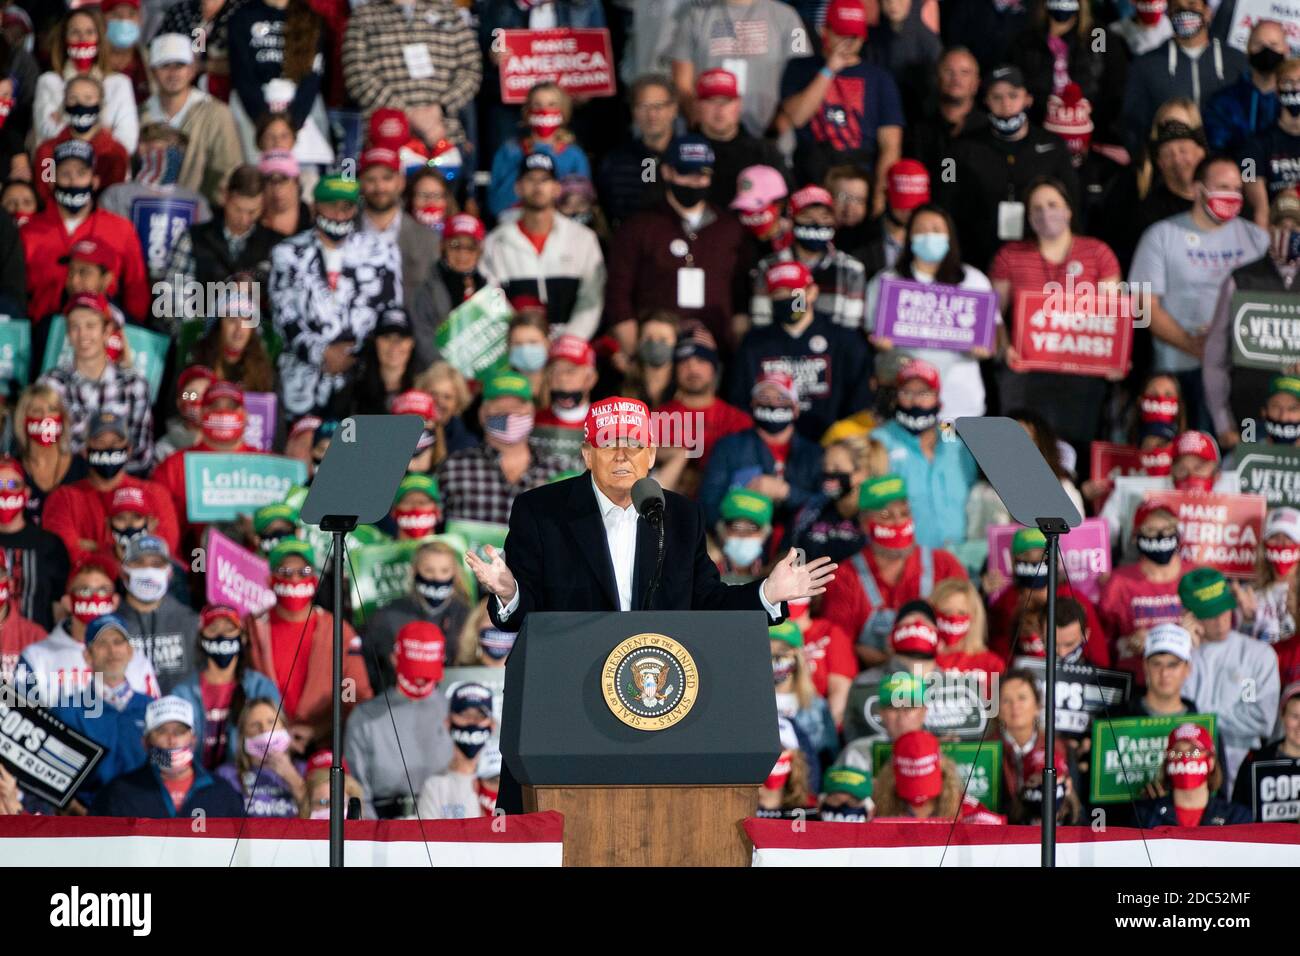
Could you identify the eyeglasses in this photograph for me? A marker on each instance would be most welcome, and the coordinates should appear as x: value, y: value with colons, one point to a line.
x: 462, y: 245
x: 654, y: 107
x: 12, y: 484
x: 92, y: 592
x: 851, y: 199
x: 304, y: 573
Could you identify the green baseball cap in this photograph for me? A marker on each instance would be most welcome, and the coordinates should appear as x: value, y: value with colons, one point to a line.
x: 743, y: 505
x: 336, y: 188
x: 266, y: 515
x: 289, y: 547
x: 1205, y: 593
x: 787, y: 631
x: 1027, y: 539
x: 1285, y: 383
x: 901, y: 689
x: 414, y: 481
x: 880, y: 491
x: 845, y: 779
x: 507, y: 384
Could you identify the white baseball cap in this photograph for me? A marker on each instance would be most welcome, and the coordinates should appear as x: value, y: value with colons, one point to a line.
x: 170, y: 48
x: 166, y: 709
x: 1169, y: 639
x: 1283, y: 521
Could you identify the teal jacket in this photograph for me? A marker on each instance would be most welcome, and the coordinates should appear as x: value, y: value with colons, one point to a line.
x: 936, y: 489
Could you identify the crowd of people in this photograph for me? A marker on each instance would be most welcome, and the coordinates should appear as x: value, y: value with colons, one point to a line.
x: 229, y: 225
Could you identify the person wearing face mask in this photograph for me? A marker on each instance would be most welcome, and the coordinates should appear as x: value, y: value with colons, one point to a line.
x: 315, y: 803
x: 49, y: 238
x: 382, y: 185
x: 128, y: 518
x: 170, y: 784
x: 886, y: 236
x: 760, y: 205
x: 1249, y: 105
x: 328, y: 287
x: 920, y: 783
x: 260, y: 768
x: 158, y: 624
x: 480, y: 483
x: 1185, y: 285
x: 828, y: 523
x: 995, y: 166
x: 78, y: 512
x: 455, y: 277
x: 649, y: 376
x: 35, y: 559
x: 273, y: 644
x: 417, y: 507
x: 1145, y: 28
x: 111, y: 713
x: 771, y: 458
x: 565, y: 395
x: 222, y: 688
x: 796, y: 698
x: 55, y: 670
x: 545, y: 118
x: 790, y: 790
x: 390, y: 744
x: 841, y: 279
x: 1235, y: 394
x: 126, y: 52
x: 453, y: 793
x: 845, y: 796
x: 1138, y: 596
x: 1189, y: 781
x: 1191, y: 63
x: 743, y: 532
x: 961, y: 621
x: 82, y: 49
x: 1275, y: 149
x: 183, y: 429
x: 1268, y: 604
x: 939, y: 474
x: 271, y: 524
x: 680, y: 254
x: 546, y: 255
x: 1223, y: 663
x: 83, y: 99
x: 17, y: 633
x: 828, y: 362
x: 526, y: 338
x: 1026, y: 804
x: 890, y: 571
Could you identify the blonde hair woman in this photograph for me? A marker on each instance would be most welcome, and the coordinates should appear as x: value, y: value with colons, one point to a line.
x: 40, y: 428
x: 481, y: 644
x: 78, y: 46
x: 451, y: 395
x: 1170, y: 160
x: 962, y: 624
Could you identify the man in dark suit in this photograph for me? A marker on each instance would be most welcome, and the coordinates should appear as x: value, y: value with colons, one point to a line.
x: 579, y: 545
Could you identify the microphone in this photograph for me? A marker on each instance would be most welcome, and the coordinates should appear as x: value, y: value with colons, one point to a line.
x: 648, y: 499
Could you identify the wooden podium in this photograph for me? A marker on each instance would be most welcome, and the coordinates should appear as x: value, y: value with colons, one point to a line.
x: 650, y: 826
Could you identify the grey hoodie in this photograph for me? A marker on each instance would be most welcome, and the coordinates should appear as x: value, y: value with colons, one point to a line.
x: 166, y: 636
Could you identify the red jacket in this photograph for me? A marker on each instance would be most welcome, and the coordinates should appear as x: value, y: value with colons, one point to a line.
x: 111, y: 161
x: 46, y: 242
x: 1002, y: 614
x: 847, y: 604
x: 78, y: 511
x: 16, y: 635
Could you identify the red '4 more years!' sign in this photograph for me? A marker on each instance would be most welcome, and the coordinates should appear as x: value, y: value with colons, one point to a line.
x: 1222, y: 531
x: 1079, y: 334
x: 581, y: 61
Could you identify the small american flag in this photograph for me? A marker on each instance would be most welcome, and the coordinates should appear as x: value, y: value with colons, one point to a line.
x: 743, y: 38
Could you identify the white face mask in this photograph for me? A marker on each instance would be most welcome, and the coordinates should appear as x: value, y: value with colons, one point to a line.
x: 148, y: 584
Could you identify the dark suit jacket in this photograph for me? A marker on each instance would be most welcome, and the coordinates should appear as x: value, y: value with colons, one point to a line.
x: 557, y: 550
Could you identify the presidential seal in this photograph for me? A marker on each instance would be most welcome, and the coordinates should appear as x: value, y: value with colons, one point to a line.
x: 650, y: 681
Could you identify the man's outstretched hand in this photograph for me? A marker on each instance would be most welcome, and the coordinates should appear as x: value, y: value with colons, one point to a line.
x: 493, y: 575
x: 790, y: 582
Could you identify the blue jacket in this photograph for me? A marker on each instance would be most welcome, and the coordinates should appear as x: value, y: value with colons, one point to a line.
x: 119, y: 732
x: 1218, y: 813
x: 570, y: 161
x: 256, y: 684
x: 1236, y: 113
x: 936, y: 490
x: 141, y: 793
x: 737, y: 458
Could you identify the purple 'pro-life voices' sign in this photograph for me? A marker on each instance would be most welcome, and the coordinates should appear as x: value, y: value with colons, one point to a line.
x: 935, y: 316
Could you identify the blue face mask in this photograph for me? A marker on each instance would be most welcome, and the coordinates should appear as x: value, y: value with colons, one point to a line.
x: 530, y: 357
x: 930, y: 246
x: 123, y: 34
x: 742, y: 552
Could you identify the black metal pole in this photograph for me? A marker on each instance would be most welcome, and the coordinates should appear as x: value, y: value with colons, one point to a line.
x: 1049, y: 709
x: 338, y: 808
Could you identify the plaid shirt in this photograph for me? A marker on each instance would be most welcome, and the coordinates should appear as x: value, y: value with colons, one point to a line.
x: 841, y: 288
x: 117, y: 390
x: 376, y: 71
x: 474, y: 489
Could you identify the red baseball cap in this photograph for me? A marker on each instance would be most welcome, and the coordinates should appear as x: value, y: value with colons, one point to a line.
x: 908, y: 184
x: 88, y: 300
x: 1200, y: 444
x: 219, y: 612
x: 810, y: 196
x: 614, y: 418
x: 1146, y: 509
x: 791, y: 275
x: 570, y: 348
x: 917, y: 637
x: 463, y: 224
x: 380, y: 156
x: 919, y: 369
x: 413, y: 402
x: 421, y: 651
x: 94, y: 252
x: 917, y: 774
x: 222, y: 389
x: 847, y: 18
x: 526, y: 301
x: 1036, y: 762
x: 323, y: 760
x: 128, y: 498
x: 717, y: 83
x: 1195, y: 733
x: 781, y: 381
x: 389, y: 128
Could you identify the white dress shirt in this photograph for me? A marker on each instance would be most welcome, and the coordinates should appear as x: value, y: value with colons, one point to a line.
x: 620, y: 534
